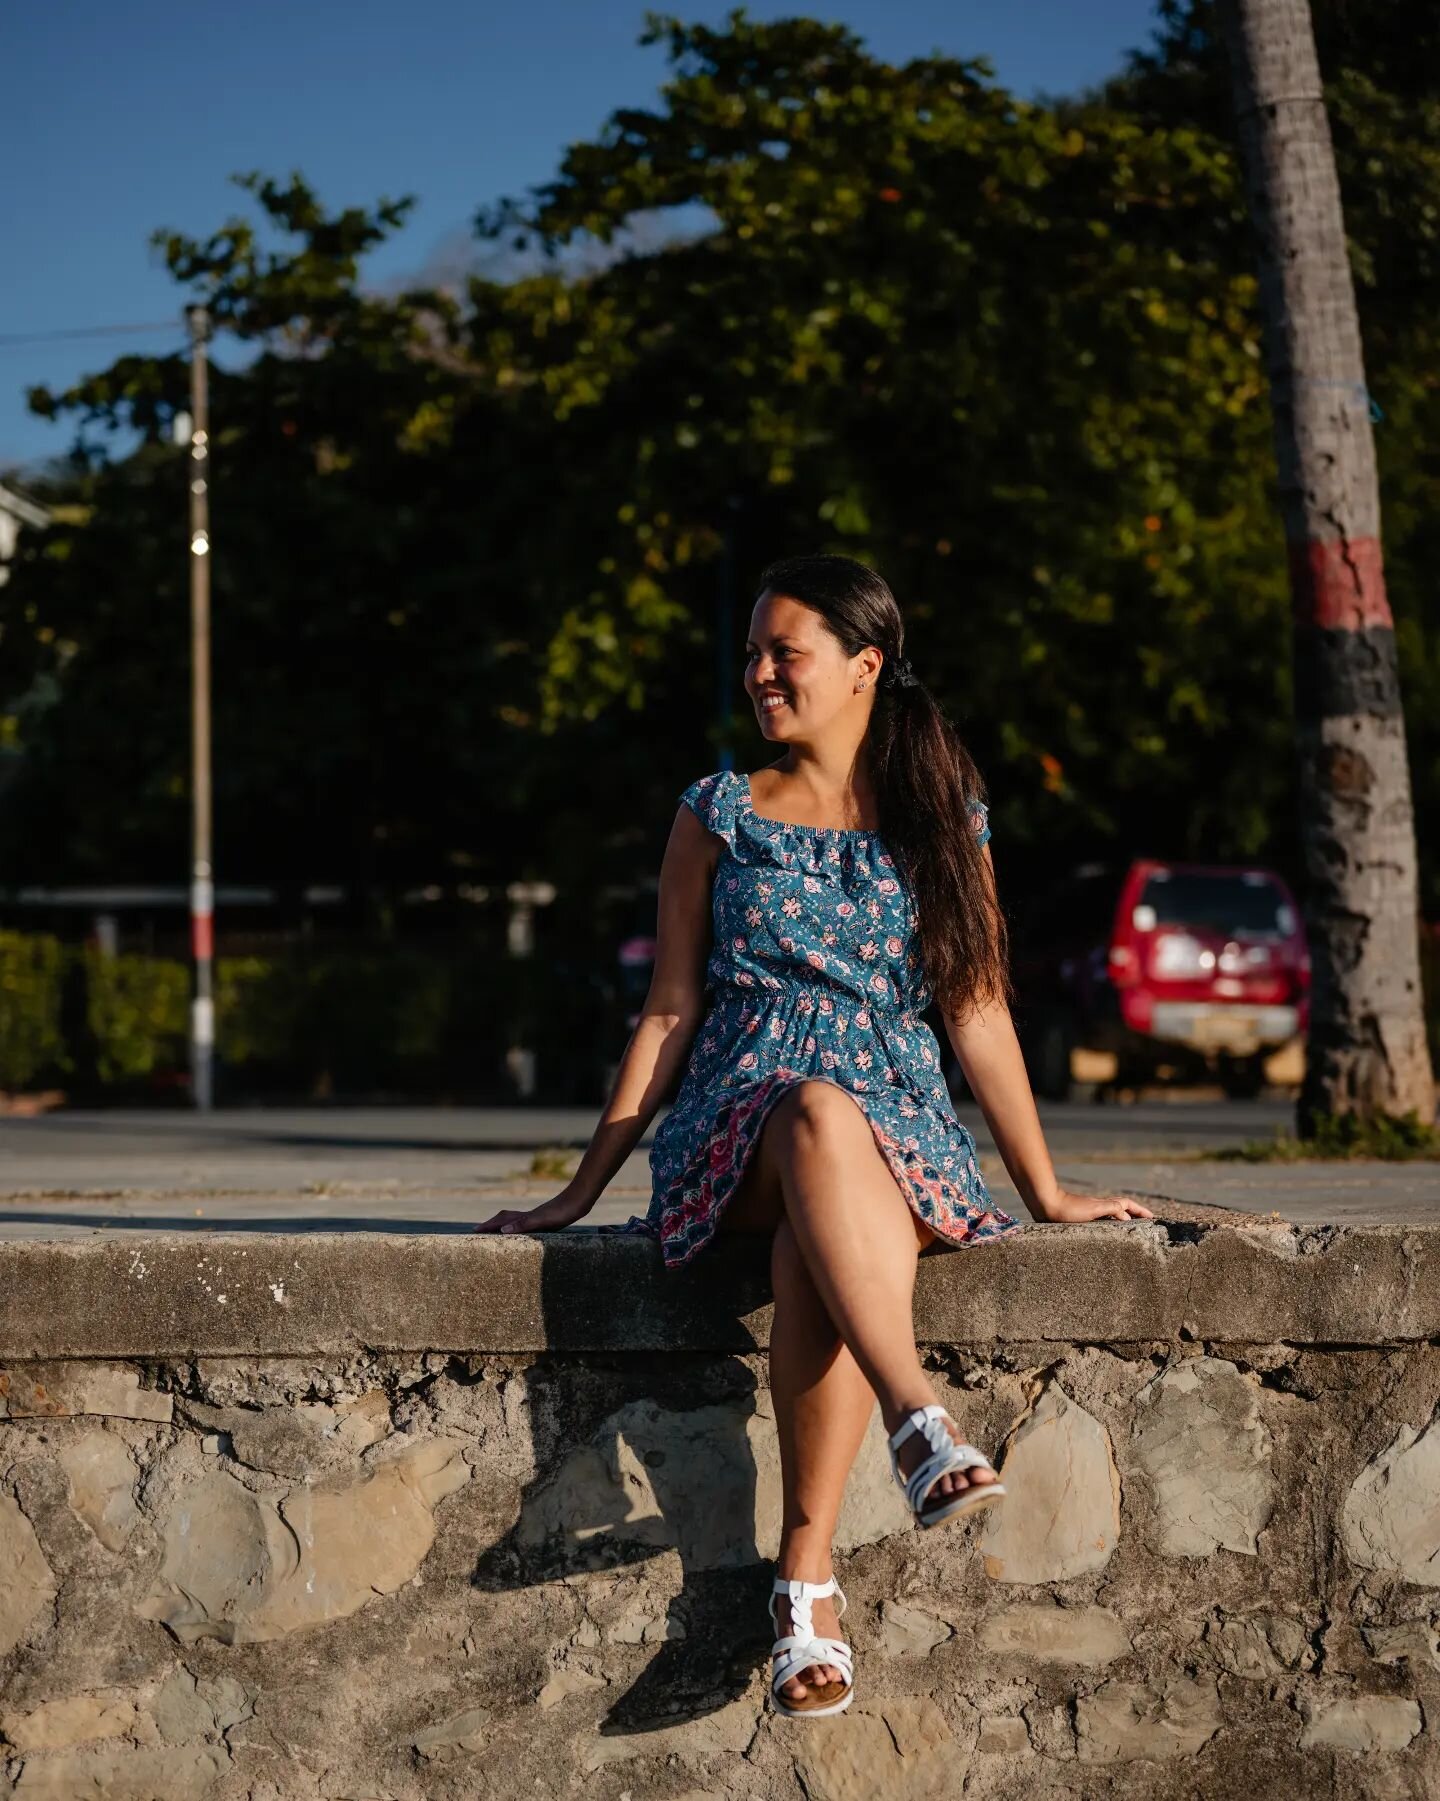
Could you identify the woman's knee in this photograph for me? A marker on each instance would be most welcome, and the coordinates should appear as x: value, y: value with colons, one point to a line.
x: 816, y: 1110
x: 810, y: 1111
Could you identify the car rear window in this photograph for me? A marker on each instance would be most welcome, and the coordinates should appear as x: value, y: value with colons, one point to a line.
x: 1229, y: 903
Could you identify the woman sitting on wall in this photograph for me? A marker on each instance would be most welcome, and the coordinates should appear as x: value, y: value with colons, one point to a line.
x: 807, y: 917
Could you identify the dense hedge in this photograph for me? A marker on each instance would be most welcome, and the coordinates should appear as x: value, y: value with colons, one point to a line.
x: 31, y: 978
x: 391, y: 1018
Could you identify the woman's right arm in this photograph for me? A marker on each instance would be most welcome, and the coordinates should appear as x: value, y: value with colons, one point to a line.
x: 674, y: 1007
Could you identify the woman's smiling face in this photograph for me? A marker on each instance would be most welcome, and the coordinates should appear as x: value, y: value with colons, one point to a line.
x: 797, y: 674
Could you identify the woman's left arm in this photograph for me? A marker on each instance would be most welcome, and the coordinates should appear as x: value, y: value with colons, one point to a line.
x: 988, y: 1052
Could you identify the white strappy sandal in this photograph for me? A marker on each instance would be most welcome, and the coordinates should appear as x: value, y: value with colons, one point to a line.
x: 946, y: 1458
x: 799, y: 1648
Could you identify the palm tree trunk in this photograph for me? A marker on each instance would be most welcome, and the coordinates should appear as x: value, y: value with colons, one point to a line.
x: 1367, y: 1050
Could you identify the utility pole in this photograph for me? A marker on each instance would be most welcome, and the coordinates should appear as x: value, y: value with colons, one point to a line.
x: 202, y: 874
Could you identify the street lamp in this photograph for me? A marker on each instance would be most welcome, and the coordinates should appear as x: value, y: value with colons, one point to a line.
x: 202, y: 874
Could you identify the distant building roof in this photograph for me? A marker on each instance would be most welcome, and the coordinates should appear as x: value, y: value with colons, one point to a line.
x: 28, y: 512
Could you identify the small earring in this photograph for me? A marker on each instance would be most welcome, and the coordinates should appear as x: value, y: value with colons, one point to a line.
x: 861, y: 686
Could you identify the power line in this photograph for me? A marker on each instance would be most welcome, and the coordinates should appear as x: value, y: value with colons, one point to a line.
x: 9, y: 340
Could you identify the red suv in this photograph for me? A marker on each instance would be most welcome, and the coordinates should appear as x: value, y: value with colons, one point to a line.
x: 1199, y: 966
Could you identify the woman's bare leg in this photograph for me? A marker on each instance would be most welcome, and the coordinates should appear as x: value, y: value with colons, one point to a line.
x: 823, y: 1399
x: 856, y: 1232
x: 823, y: 1404
x: 861, y: 1243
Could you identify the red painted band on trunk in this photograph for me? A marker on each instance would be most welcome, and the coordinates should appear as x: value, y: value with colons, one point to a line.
x: 202, y: 935
x: 1339, y: 584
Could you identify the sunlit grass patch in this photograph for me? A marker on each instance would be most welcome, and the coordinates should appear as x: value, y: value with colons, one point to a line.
x: 555, y: 1162
x: 1343, y: 1137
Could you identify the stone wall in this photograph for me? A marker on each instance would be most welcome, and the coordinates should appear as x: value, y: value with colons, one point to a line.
x: 370, y: 1516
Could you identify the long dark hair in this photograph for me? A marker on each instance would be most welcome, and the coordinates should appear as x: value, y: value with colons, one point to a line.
x: 926, y: 784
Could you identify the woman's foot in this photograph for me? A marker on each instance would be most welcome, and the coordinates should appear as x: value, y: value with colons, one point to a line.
x: 824, y: 1623
x: 914, y: 1451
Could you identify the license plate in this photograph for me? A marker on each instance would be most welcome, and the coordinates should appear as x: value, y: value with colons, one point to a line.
x: 1225, y: 1029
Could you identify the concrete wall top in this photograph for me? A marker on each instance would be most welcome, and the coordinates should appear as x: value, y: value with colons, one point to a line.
x: 302, y: 1294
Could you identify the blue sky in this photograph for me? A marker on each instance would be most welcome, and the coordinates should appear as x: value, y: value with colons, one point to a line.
x: 121, y: 118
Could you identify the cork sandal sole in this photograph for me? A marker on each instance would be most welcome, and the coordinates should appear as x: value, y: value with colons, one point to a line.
x: 800, y: 1649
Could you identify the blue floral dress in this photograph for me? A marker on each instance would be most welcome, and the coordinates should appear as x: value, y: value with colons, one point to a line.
x: 814, y: 974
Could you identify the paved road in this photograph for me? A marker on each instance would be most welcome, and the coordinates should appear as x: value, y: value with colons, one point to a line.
x: 406, y: 1169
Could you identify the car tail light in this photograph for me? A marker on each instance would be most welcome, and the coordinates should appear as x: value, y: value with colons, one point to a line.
x: 1137, y: 1009
x: 1123, y: 963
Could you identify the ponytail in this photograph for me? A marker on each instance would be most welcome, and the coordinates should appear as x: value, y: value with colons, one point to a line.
x: 932, y: 800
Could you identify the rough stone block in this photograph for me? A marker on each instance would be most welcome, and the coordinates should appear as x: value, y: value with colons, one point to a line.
x: 244, y: 1567
x: 101, y: 1475
x: 1061, y: 1512
x: 1089, y: 1636
x: 28, y: 1585
x: 1391, y: 1517
x: 1003, y: 1735
x: 178, y: 1773
x: 1205, y: 1452
x: 565, y: 1683
x: 1260, y: 1645
x: 1413, y: 1641
x: 900, y: 1750
x: 297, y: 1440
x: 71, y: 1720
x: 55, y: 1390
x: 457, y: 1737
x: 1124, y: 1721
x: 1360, y: 1723
x: 910, y: 1631
x: 187, y: 1707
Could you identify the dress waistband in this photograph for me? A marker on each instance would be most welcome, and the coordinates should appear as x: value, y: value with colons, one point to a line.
x: 728, y: 996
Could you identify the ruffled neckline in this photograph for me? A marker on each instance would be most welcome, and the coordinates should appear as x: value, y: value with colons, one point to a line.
x: 747, y: 806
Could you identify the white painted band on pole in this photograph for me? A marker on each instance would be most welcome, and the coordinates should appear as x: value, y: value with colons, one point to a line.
x: 202, y: 1020
x: 202, y: 896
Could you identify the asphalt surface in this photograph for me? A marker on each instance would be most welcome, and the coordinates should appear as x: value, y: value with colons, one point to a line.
x: 410, y: 1169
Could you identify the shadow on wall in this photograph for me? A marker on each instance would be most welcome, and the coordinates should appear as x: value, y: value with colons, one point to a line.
x: 668, y: 1457
x: 644, y: 1455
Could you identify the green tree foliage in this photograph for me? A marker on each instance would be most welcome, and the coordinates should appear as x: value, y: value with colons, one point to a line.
x: 944, y: 329
x: 468, y: 545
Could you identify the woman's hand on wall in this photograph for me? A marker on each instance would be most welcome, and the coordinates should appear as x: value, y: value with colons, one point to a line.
x: 1072, y: 1208
x: 550, y: 1216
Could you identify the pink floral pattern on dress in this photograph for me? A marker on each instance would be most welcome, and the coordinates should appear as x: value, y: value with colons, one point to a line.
x: 814, y: 975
